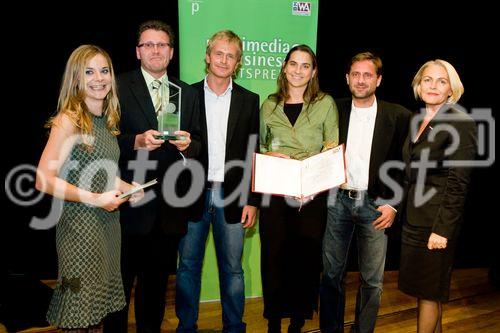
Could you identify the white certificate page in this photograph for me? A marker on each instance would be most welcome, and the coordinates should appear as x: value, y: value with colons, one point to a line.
x: 276, y: 175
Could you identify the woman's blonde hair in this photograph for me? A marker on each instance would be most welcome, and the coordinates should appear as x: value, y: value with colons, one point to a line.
x: 72, y: 94
x: 457, y: 88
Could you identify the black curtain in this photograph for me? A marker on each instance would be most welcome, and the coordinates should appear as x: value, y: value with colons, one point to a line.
x: 35, y: 62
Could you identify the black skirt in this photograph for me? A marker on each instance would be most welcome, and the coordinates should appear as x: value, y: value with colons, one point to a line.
x: 425, y: 273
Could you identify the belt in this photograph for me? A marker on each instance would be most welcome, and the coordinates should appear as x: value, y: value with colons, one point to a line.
x: 353, y: 194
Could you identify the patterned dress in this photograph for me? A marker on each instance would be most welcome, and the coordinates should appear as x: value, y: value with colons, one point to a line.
x: 89, y: 284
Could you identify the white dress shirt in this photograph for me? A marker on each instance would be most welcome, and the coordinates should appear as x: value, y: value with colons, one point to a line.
x: 217, y: 113
x: 359, y: 145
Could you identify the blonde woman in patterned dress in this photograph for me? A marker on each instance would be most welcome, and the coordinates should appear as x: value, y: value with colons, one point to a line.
x: 79, y: 166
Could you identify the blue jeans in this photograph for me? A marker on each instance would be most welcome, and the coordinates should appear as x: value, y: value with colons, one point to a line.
x: 346, y: 216
x: 228, y: 239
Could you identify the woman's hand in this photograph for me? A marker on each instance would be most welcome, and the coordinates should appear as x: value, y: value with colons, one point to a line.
x: 275, y: 154
x: 304, y: 200
x: 108, y: 200
x: 437, y: 242
x: 137, y: 196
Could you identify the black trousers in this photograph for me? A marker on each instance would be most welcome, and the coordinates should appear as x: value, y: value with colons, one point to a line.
x: 291, y: 257
x: 148, y: 259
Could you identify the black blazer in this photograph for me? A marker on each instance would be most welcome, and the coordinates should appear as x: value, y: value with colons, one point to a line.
x: 442, y: 213
x: 138, y: 116
x: 242, y: 131
x: 391, y: 129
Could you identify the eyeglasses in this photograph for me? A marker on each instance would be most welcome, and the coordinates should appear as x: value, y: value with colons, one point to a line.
x: 151, y: 45
x: 366, y: 75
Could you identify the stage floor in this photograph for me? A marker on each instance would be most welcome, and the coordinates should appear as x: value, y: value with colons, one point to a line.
x: 474, y: 307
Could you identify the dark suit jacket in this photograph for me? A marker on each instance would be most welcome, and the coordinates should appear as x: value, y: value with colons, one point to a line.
x: 391, y: 129
x: 242, y: 130
x: 138, y: 116
x: 443, y: 212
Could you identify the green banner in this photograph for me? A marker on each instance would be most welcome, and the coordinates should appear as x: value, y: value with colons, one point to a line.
x: 268, y: 29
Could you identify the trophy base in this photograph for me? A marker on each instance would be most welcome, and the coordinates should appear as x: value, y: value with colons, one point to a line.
x: 169, y: 137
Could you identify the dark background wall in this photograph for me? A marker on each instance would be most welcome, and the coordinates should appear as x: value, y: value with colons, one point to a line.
x: 36, y: 58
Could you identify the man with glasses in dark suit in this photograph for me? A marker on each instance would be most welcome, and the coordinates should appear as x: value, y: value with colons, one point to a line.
x: 151, y: 232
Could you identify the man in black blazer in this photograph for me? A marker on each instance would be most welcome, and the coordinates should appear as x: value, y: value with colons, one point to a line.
x: 230, y: 126
x: 374, y: 132
x: 150, y: 232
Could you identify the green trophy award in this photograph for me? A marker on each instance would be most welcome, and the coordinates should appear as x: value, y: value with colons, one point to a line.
x: 169, y: 116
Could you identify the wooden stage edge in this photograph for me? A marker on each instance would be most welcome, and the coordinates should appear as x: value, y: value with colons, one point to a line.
x: 474, y: 306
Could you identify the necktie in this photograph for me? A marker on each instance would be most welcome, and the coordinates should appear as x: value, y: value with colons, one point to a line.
x: 156, y: 86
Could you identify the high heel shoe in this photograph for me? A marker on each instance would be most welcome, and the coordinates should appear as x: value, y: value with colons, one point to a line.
x: 296, y: 324
x: 274, y: 325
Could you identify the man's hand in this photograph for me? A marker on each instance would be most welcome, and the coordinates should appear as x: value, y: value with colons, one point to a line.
x: 147, y: 140
x: 248, y: 216
x: 184, y: 142
x: 385, y: 220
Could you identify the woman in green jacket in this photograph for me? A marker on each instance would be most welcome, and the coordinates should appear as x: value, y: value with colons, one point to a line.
x: 296, y: 122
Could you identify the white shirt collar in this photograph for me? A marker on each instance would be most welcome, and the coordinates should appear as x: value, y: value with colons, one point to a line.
x: 150, y: 78
x: 364, y: 114
x: 229, y: 87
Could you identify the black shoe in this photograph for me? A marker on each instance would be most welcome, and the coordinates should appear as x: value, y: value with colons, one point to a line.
x: 274, y: 325
x: 295, y: 325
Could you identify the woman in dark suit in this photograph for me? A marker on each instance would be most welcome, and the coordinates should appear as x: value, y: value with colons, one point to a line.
x: 436, y: 186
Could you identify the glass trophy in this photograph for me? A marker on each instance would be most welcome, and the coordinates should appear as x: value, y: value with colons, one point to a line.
x: 169, y: 116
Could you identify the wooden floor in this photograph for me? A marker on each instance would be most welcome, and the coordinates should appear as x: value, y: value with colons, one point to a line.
x: 474, y: 307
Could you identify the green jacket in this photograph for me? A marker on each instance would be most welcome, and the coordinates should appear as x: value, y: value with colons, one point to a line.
x: 316, y: 129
